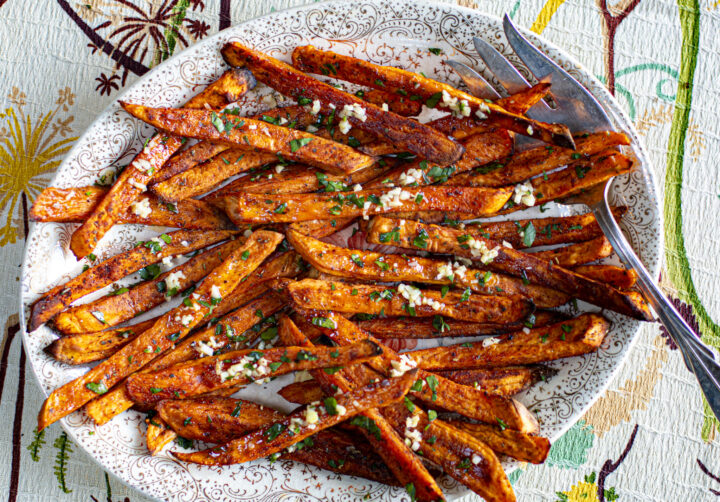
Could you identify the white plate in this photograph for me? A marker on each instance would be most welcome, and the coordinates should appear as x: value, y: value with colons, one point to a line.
x: 395, y: 33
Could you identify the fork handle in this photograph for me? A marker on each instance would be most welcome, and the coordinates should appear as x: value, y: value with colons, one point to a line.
x: 698, y: 357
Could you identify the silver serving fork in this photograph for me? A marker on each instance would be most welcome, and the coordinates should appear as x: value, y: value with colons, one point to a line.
x: 579, y: 110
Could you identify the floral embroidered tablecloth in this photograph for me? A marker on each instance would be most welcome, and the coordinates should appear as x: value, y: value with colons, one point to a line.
x: 649, y: 437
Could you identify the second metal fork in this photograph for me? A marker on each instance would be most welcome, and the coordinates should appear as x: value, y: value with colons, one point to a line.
x: 580, y: 111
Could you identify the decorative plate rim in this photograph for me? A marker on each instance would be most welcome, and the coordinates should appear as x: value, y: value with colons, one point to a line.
x: 607, y: 100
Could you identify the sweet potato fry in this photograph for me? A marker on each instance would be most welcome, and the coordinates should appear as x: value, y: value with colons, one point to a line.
x: 437, y: 327
x: 215, y: 419
x: 575, y: 179
x: 534, y: 162
x: 303, y: 423
x: 230, y: 87
x: 371, y: 299
x: 302, y: 392
x: 297, y: 178
x: 569, y: 338
x: 446, y: 240
x: 117, y: 267
x: 514, y: 444
x: 406, y: 133
x: 391, y: 447
x: 505, y: 381
x: 577, y: 254
x: 225, y: 370
x: 73, y: 205
x: 396, y: 103
x: 157, y: 435
x: 204, y: 177
x: 85, y: 348
x: 621, y: 278
x: 250, y: 133
x: 234, y: 334
x: 370, y: 265
x: 286, y: 208
x: 431, y: 92
x: 132, y: 181
x: 188, y: 158
x: 459, y: 454
x: 547, y: 231
x: 172, y: 326
x: 462, y: 127
x: 126, y: 303
x: 479, y: 149
x: 432, y: 389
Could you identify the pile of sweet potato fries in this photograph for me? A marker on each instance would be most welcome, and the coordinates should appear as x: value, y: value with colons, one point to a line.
x: 259, y: 288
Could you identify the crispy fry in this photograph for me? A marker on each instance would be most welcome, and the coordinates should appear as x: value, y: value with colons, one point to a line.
x: 371, y: 299
x: 85, y: 348
x: 396, y: 103
x: 150, y: 160
x: 479, y: 149
x: 287, y: 432
x: 216, y: 372
x: 204, y: 177
x: 460, y: 455
x: 72, y: 205
x: 187, y: 159
x: 436, y: 327
x: 157, y: 435
x: 489, y: 477
x: 117, y: 267
x: 432, y: 389
x: 302, y: 392
x: 579, y: 253
x: 234, y: 327
x: 215, y: 419
x: 509, y: 260
x: 621, y: 278
x: 462, y: 127
x: 537, y: 161
x: 406, y: 133
x: 514, y: 444
x: 172, y: 326
x: 230, y: 87
x: 576, y: 179
x: 548, y: 231
x: 297, y: 178
x: 286, y: 208
x: 366, y: 265
x: 125, y: 303
x: 431, y: 92
x: 506, y: 381
x: 569, y: 338
x: 245, y: 132
x: 396, y: 454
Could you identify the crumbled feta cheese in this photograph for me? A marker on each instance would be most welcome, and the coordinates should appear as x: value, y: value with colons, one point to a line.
x: 186, y: 320
x: 412, y: 422
x: 137, y: 185
x: 167, y: 261
x: 141, y: 207
x: 450, y: 270
x: 357, y: 187
x: 480, y: 249
x: 215, y: 292
x: 507, y: 244
x: 172, y: 281
x: 332, y: 106
x: 282, y: 121
x: 487, y: 342
x: 341, y: 410
x: 480, y: 115
x: 279, y: 169
x: 476, y: 459
x: 311, y: 128
x: 411, y: 176
x: 463, y: 108
x: 401, y: 366
x: 524, y: 194
x: 252, y: 127
x: 184, y: 243
x: 526, y: 330
x: 315, y: 107
x: 311, y: 416
x: 530, y: 130
x: 385, y: 107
